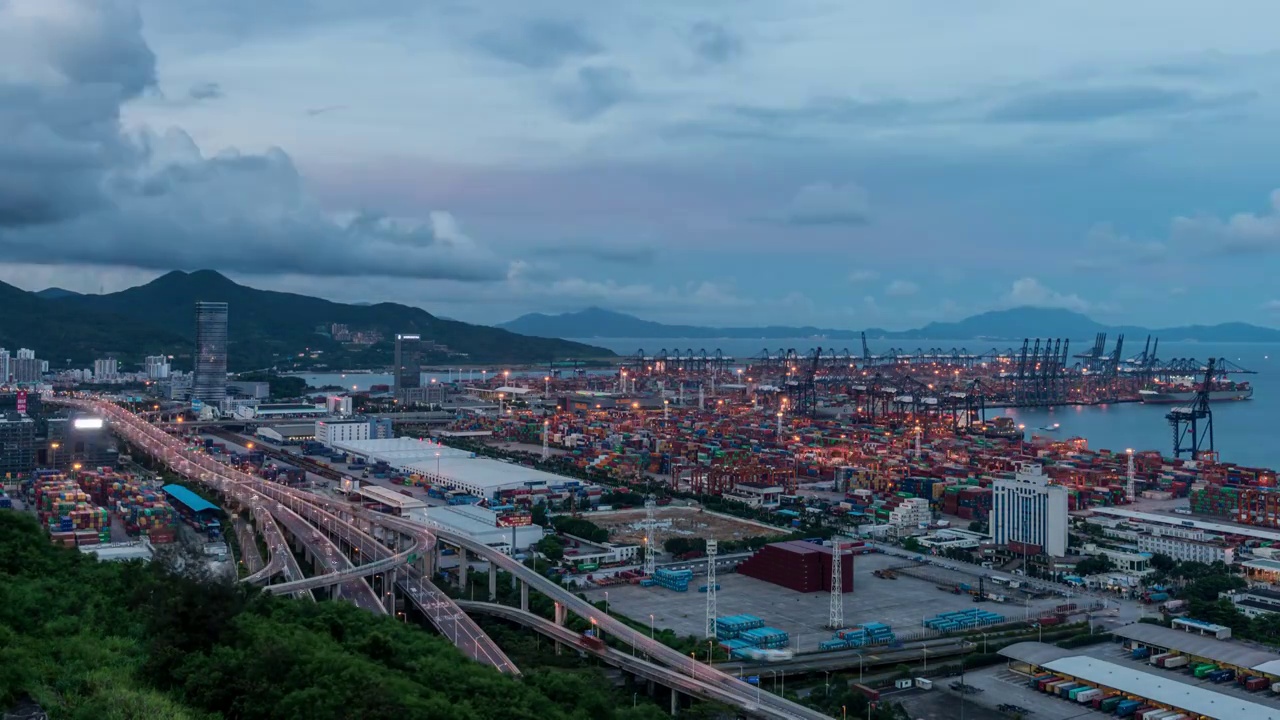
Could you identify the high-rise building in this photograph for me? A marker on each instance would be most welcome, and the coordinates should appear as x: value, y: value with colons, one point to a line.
x: 17, y: 444
x: 157, y: 367
x: 26, y: 370
x: 408, y: 369
x: 106, y: 369
x: 1029, y: 514
x: 5, y: 371
x: 26, y: 354
x: 209, y: 383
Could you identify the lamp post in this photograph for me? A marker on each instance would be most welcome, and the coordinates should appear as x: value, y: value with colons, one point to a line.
x: 650, y: 626
x: 53, y: 455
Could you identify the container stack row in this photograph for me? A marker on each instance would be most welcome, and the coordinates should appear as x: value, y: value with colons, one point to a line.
x: 677, y: 580
x: 731, y: 626
x: 765, y: 637
x: 963, y: 620
x: 859, y: 636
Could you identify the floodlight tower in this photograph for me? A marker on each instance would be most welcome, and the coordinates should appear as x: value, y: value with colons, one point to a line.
x: 651, y: 529
x: 1128, y: 489
x: 836, y: 619
x: 545, y: 451
x: 712, y: 547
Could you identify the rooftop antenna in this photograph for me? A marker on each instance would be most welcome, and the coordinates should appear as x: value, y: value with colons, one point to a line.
x: 651, y: 528
x: 712, y: 547
x: 1128, y: 490
x: 836, y: 620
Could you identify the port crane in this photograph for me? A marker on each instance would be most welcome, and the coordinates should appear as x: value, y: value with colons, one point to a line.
x: 1193, y: 425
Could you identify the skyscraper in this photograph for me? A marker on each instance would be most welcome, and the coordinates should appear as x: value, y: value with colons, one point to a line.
x: 1029, y: 511
x: 209, y: 381
x: 408, y: 370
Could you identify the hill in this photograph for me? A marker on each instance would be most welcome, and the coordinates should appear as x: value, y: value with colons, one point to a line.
x: 60, y: 332
x: 54, y: 293
x: 1011, y: 324
x: 267, y: 328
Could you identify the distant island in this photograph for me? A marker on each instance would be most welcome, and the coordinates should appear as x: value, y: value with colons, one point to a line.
x: 266, y: 329
x: 1007, y: 325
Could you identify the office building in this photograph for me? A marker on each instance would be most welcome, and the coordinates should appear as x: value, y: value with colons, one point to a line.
x: 82, y: 439
x: 17, y: 444
x: 381, y: 429
x: 1029, y: 514
x: 26, y: 354
x: 20, y: 402
x: 106, y: 370
x: 157, y: 367
x: 251, y: 389
x: 338, y: 404
x: 1187, y: 549
x: 408, y: 364
x: 329, y: 432
x: 209, y: 381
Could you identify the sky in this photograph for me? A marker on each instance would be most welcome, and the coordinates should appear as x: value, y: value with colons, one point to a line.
x: 816, y: 162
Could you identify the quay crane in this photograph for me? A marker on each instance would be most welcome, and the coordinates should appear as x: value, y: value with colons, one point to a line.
x: 1193, y: 425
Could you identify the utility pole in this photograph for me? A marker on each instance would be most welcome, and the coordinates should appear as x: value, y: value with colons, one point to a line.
x: 1129, y: 483
x: 651, y: 529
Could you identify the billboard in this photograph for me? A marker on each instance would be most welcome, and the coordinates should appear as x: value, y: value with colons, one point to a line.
x: 197, y: 404
x: 22, y: 402
x: 518, y: 520
x: 86, y: 423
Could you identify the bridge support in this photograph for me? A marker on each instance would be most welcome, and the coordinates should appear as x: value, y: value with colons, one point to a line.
x: 389, y: 597
x: 524, y: 596
x: 493, y: 582
x: 675, y: 702
x: 463, y: 566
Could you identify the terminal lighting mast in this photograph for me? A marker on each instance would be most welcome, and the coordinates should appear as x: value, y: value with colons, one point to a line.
x: 545, y: 452
x: 650, y: 543
x: 712, y: 547
x: 836, y: 621
x: 1128, y: 488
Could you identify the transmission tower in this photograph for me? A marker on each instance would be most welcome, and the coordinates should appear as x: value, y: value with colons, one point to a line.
x: 651, y: 529
x: 836, y: 621
x: 711, y: 588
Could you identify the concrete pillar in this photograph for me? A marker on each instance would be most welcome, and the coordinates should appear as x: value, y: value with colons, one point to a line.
x: 524, y: 596
x: 463, y: 564
x: 493, y: 582
x: 561, y: 614
x: 675, y: 702
x: 389, y: 588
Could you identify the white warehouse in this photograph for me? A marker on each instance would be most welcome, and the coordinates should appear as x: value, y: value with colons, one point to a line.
x: 329, y: 432
x: 449, y: 467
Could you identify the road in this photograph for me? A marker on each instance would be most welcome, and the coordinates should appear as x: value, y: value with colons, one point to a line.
x: 234, y: 482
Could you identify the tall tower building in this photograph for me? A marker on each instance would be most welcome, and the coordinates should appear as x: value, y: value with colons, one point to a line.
x: 209, y: 381
x: 408, y: 370
x: 1027, y: 510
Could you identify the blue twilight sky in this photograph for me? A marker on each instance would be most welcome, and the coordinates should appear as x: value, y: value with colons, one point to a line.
x: 704, y: 161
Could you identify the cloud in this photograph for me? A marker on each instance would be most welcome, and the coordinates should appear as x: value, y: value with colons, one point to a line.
x: 539, y: 44
x: 1106, y: 248
x: 862, y: 276
x: 75, y: 189
x: 901, y: 288
x: 1243, y: 232
x: 1091, y: 104
x: 1271, y: 306
x: 1029, y: 291
x: 604, y: 251
x: 827, y: 204
x: 205, y: 91
x: 595, y: 89
x: 312, y: 112
x: 714, y: 43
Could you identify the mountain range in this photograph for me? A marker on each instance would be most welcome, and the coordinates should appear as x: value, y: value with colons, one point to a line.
x: 1012, y: 324
x: 265, y: 328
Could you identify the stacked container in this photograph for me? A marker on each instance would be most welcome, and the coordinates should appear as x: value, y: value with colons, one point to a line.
x: 766, y: 637
x: 677, y: 580
x: 731, y: 626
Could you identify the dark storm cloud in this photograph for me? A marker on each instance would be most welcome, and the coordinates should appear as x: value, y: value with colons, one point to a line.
x: 1087, y: 105
x: 538, y: 44
x: 74, y: 189
x: 205, y: 91
x: 714, y: 42
x: 597, y: 88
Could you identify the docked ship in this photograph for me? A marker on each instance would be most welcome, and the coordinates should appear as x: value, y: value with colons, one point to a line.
x: 1186, y: 393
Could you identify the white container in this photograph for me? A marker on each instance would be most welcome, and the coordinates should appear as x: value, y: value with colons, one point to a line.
x: 924, y: 683
x: 1176, y: 662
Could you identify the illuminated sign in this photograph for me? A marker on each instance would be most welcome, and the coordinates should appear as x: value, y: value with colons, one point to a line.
x: 22, y: 402
x: 515, y: 520
x: 88, y: 423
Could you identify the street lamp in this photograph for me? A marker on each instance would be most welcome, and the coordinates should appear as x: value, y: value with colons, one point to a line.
x: 650, y: 626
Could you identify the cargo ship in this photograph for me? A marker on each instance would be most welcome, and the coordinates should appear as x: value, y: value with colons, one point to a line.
x: 1219, y: 392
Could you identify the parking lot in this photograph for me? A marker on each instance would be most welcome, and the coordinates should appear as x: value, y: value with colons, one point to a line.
x: 902, y: 603
x: 1001, y: 686
x: 1115, y: 653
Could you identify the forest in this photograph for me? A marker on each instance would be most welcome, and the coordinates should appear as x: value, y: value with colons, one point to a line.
x: 118, y: 641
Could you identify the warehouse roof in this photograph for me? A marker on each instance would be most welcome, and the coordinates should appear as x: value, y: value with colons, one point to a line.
x: 1184, y: 522
x: 425, y: 457
x: 192, y: 501
x: 1034, y: 652
x: 1203, y: 646
x: 1162, y: 689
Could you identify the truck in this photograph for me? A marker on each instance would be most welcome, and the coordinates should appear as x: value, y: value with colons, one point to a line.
x: 1176, y: 661
x: 1221, y: 675
x: 1126, y: 708
x: 1141, y: 653
x: 592, y: 642
x: 1155, y: 597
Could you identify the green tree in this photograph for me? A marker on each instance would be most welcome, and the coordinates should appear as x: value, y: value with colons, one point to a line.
x: 911, y: 544
x: 552, y: 547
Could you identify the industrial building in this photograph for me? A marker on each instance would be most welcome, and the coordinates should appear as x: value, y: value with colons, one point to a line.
x: 1256, y: 601
x: 271, y: 411
x: 329, y: 432
x: 448, y: 467
x: 251, y: 389
x: 209, y: 380
x: 81, y: 439
x: 1130, y: 685
x: 479, y: 524
x: 287, y: 434
x: 1029, y: 514
x: 1206, y: 648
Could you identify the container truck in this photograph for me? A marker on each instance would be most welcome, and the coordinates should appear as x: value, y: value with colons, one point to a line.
x: 1075, y: 693
x: 1255, y: 684
x: 1088, y: 696
x: 1221, y: 675
x: 1141, y: 653
x: 1275, y: 687
x: 1176, y: 661
x: 1126, y: 708
x: 1111, y: 703
x: 1158, y: 660
x: 1202, y: 670
x: 1064, y: 690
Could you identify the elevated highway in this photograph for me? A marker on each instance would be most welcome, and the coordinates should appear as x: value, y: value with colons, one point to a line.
x: 230, y: 481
